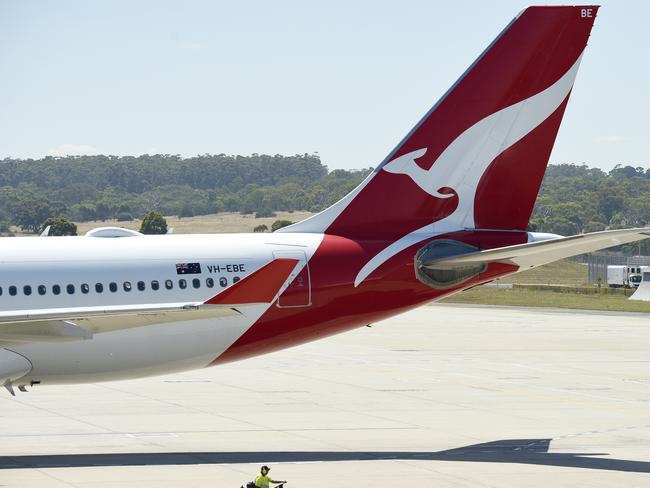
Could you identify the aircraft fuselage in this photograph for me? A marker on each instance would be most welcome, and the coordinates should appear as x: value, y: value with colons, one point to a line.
x: 320, y: 300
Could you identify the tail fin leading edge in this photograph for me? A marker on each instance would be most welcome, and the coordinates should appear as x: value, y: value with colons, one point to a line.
x: 477, y: 158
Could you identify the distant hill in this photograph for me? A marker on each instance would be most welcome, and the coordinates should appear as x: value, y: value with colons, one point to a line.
x: 573, y: 198
x: 85, y: 188
x: 577, y: 199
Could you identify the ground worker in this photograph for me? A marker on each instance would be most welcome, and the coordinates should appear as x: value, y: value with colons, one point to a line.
x: 263, y: 480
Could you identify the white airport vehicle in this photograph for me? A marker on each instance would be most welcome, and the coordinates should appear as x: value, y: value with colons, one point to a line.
x: 625, y: 276
x: 617, y: 276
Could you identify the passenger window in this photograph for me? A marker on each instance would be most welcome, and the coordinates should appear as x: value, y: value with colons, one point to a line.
x: 56, y: 289
x: 41, y: 289
x: 196, y: 283
x: 85, y: 288
x: 99, y: 288
x: 127, y: 286
x: 155, y: 285
x: 141, y: 286
x: 209, y: 282
x: 13, y: 290
x: 169, y: 284
x: 235, y: 279
x: 223, y: 281
x: 27, y: 290
x: 182, y: 284
x: 112, y: 286
x: 70, y: 289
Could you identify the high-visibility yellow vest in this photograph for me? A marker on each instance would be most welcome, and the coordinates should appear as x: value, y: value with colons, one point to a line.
x: 262, y: 481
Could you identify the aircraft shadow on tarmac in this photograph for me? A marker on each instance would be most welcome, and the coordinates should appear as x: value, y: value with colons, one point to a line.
x: 519, y: 451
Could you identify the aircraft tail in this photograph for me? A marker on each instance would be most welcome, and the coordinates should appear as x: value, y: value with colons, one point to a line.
x: 477, y: 158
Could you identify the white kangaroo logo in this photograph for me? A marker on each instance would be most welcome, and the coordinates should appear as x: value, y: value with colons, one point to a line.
x: 462, y: 164
x: 428, y: 180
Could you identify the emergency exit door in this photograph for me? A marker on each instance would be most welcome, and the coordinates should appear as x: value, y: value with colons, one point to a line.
x: 298, y: 293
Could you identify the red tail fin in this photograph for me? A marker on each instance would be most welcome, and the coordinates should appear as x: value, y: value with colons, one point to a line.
x: 476, y: 160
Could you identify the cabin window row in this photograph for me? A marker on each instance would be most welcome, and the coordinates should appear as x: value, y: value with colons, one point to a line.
x: 113, y: 286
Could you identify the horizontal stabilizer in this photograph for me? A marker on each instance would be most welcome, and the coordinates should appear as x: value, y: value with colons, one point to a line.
x: 537, y: 253
x: 262, y: 286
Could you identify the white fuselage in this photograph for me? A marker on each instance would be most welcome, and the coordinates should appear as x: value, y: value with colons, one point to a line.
x: 94, y: 271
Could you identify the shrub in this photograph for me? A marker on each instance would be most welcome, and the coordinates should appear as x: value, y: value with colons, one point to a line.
x: 59, y: 227
x: 153, y: 223
x: 278, y: 224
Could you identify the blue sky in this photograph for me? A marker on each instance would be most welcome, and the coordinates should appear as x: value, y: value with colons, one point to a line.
x: 342, y: 78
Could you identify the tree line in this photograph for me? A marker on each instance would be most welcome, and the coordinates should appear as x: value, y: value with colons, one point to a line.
x: 573, y: 198
x: 83, y: 188
x: 577, y: 198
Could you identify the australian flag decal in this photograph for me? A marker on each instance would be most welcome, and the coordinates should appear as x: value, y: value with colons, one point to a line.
x: 188, y: 268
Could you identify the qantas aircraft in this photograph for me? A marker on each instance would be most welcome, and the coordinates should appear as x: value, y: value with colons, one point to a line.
x: 447, y: 210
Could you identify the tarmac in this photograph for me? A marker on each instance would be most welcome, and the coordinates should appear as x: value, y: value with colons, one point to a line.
x: 443, y: 396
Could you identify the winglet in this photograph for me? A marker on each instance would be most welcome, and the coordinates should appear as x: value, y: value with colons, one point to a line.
x: 262, y: 286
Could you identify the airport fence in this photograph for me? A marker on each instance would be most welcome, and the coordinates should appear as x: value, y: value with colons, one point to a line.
x: 598, y: 262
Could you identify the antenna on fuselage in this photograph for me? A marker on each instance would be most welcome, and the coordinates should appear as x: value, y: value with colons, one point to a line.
x: 10, y: 387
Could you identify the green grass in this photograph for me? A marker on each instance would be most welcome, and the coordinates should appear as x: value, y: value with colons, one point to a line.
x: 489, y: 295
x: 564, y: 272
